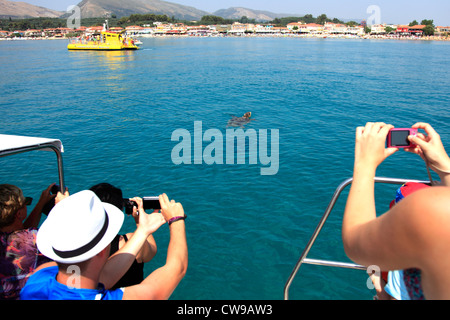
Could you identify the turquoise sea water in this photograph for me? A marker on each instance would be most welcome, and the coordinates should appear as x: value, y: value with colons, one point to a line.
x: 115, y: 113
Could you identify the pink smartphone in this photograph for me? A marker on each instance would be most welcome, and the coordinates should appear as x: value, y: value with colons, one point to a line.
x: 398, y: 138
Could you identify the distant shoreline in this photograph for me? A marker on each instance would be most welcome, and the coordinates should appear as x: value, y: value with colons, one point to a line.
x: 320, y: 36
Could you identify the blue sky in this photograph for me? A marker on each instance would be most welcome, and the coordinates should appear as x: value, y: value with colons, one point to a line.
x: 391, y: 11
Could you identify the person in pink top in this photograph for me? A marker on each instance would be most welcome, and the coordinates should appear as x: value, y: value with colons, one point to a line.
x: 19, y: 256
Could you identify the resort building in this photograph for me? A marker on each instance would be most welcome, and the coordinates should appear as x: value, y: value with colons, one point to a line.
x: 294, y: 26
x: 94, y: 30
x: 378, y: 29
x: 327, y: 29
x: 238, y: 28
x: 201, y: 30
x: 402, y: 30
x: 165, y: 29
x: 313, y: 28
x: 264, y: 29
x: 55, y: 32
x: 116, y: 29
x: 416, y: 30
x: 442, y: 31
x: 342, y: 29
x: 134, y: 30
x: 32, y: 33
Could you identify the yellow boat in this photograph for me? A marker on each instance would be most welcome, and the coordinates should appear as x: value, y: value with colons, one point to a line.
x: 105, y: 41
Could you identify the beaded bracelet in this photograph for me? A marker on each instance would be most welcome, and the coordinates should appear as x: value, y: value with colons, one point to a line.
x: 172, y: 220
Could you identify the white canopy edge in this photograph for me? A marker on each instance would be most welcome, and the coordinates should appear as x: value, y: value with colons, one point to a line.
x: 12, y: 143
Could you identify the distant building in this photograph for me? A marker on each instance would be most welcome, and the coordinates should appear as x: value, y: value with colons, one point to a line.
x: 342, y: 29
x: 116, y: 29
x: 264, y: 29
x: 294, y: 26
x: 402, y: 30
x: 314, y: 28
x: 134, y: 30
x: 238, y: 28
x: 94, y: 30
x: 442, y: 31
x: 221, y: 29
x: 4, y: 34
x: 378, y: 29
x: 201, y: 30
x: 417, y: 30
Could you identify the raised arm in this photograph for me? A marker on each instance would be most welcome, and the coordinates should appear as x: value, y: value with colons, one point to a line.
x: 413, y: 234
x: 160, y: 284
x: 149, y: 248
x: 118, y: 264
x: 34, y: 217
x: 370, y: 152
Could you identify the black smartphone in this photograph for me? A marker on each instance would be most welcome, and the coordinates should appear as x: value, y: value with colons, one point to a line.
x: 49, y: 205
x: 148, y: 202
x: 151, y: 203
x: 55, y: 189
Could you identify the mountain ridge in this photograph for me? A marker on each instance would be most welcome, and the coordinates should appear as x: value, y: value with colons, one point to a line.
x: 18, y: 10
x: 100, y: 8
x: 104, y: 8
x: 120, y: 8
x: 258, y: 15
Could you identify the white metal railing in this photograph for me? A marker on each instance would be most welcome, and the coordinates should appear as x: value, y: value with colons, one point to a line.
x: 319, y: 227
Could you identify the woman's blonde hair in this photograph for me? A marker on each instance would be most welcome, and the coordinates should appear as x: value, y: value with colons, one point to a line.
x: 11, y: 200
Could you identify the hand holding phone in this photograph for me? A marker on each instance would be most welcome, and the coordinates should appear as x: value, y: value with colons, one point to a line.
x: 148, y: 203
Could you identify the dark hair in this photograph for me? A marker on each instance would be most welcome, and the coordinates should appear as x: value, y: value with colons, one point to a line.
x: 109, y: 194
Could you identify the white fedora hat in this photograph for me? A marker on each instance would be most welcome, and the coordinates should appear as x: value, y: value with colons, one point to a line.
x: 78, y: 228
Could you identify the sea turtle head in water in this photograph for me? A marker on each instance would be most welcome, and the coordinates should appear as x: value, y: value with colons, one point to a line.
x: 240, y: 121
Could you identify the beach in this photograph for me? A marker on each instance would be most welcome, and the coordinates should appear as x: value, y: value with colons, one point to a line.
x: 278, y: 35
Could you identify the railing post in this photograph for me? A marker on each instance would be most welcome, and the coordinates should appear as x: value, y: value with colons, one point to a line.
x: 319, y: 227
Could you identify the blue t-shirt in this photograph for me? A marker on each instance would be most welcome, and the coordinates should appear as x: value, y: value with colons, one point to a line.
x: 43, y: 286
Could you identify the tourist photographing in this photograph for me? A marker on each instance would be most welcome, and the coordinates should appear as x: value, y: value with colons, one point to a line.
x: 135, y: 274
x: 19, y: 256
x: 77, y: 236
x: 414, y: 235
